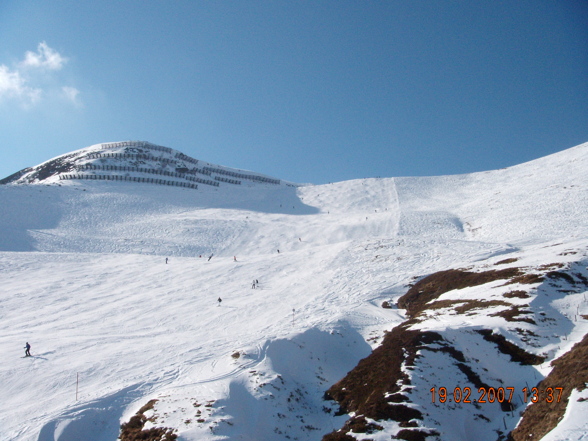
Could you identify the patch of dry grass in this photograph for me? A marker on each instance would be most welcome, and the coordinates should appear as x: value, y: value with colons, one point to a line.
x: 525, y: 279
x: 365, y: 388
x: 516, y: 354
x: 549, y: 266
x: 431, y: 287
x: 466, y: 305
x: 415, y: 435
x: 340, y: 435
x: 513, y: 315
x: 479, y: 304
x: 570, y: 372
x: 133, y: 430
x: 517, y: 294
x: 507, y: 261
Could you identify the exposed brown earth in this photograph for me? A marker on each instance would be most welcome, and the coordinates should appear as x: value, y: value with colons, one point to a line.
x: 506, y: 261
x: 570, y: 372
x: 518, y: 294
x: 527, y: 279
x: 133, y: 430
x: 463, y: 306
x: 514, y: 315
x: 431, y: 287
x: 372, y: 388
x: 415, y: 435
x: 516, y: 354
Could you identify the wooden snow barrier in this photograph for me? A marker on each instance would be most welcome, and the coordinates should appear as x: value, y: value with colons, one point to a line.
x: 129, y: 179
x: 186, y: 158
x: 135, y: 156
x: 137, y: 144
x: 152, y: 171
x: 229, y: 181
x: 221, y: 171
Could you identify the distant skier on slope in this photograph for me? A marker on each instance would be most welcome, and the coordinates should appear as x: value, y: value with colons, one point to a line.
x: 27, y: 350
x: 219, y: 301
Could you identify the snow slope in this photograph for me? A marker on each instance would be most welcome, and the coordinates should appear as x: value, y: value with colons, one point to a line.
x: 84, y: 279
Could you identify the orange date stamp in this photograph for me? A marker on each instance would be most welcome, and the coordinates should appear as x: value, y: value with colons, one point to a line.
x: 495, y: 395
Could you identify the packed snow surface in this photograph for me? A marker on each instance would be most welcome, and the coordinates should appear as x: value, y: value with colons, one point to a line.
x: 130, y: 292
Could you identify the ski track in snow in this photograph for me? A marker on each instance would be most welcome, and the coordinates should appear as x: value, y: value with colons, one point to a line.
x: 84, y: 280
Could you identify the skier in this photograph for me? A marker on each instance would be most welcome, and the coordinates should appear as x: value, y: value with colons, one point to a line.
x: 253, y: 285
x: 219, y: 301
x: 27, y: 350
x: 234, y: 258
x: 166, y: 260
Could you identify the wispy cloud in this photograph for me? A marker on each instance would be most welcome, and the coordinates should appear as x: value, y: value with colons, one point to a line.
x: 44, y: 58
x: 33, y: 79
x: 71, y: 94
x: 12, y: 85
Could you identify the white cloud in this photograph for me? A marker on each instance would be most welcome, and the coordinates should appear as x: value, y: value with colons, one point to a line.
x: 71, y: 94
x: 12, y: 85
x: 35, y: 79
x: 45, y: 57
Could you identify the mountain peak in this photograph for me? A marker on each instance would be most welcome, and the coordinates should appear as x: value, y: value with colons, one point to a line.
x: 139, y: 162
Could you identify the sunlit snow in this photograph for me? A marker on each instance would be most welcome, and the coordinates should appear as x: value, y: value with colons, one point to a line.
x: 84, y: 280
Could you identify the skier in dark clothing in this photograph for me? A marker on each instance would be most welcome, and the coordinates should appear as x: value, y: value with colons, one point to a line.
x: 219, y: 301
x: 27, y: 350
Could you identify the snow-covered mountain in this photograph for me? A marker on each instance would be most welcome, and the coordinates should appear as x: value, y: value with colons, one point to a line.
x: 139, y: 162
x: 397, y: 297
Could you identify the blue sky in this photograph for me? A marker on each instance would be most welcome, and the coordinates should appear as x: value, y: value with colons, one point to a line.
x: 307, y: 91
